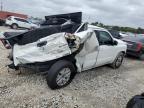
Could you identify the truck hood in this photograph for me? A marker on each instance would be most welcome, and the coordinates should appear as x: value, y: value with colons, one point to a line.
x: 120, y: 41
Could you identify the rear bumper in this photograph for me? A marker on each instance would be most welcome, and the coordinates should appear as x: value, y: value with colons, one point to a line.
x: 5, y: 44
x: 38, y: 67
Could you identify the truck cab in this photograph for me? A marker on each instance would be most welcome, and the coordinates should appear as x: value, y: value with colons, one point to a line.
x: 104, y: 48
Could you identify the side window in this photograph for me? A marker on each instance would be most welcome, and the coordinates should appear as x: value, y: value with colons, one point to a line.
x: 22, y: 20
x: 104, y: 38
x: 17, y: 19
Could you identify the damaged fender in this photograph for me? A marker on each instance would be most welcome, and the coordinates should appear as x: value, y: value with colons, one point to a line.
x: 88, y: 55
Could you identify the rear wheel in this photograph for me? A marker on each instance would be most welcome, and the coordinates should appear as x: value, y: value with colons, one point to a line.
x: 118, y: 61
x: 32, y: 28
x: 60, y: 74
x: 14, y: 26
x: 10, y: 56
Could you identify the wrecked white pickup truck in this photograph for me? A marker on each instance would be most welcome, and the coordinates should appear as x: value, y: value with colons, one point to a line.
x: 60, y: 51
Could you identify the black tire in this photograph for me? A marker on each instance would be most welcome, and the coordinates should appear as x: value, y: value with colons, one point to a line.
x: 10, y: 56
x: 141, y: 57
x: 118, y: 61
x: 14, y: 26
x: 32, y: 28
x: 55, y: 70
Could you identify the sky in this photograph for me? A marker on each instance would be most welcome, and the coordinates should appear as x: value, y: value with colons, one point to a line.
x: 111, y: 12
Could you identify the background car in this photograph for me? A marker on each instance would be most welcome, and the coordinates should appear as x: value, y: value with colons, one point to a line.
x: 115, y: 34
x: 16, y: 22
x: 123, y: 34
x: 135, y: 46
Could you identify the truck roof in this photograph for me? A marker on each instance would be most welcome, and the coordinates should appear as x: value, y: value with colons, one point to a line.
x: 95, y: 27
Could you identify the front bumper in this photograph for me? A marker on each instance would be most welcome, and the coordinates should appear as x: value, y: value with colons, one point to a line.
x: 133, y: 53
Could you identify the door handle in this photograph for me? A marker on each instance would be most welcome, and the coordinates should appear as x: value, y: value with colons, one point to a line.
x: 43, y: 43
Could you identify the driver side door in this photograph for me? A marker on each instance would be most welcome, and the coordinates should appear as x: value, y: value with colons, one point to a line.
x: 106, y: 49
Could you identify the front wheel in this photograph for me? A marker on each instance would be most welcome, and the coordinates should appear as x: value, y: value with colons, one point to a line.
x: 118, y: 61
x: 32, y: 28
x: 60, y: 74
x: 14, y: 26
x: 10, y: 56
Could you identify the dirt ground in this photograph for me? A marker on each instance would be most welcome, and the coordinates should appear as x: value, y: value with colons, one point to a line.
x: 2, y: 29
x: 102, y: 87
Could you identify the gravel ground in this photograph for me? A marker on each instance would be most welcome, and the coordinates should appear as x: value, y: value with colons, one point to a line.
x: 102, y: 87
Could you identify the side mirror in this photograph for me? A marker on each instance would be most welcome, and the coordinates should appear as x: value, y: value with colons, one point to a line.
x: 115, y: 42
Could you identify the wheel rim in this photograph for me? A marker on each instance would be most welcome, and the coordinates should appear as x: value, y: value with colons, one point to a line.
x: 119, y: 61
x: 14, y: 26
x: 63, y: 76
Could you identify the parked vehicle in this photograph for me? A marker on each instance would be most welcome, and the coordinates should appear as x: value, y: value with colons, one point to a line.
x: 123, y: 34
x: 16, y: 22
x: 115, y: 34
x: 135, y: 46
x: 141, y: 34
x: 62, y: 51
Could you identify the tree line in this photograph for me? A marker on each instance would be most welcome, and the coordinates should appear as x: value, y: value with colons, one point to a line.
x: 138, y: 30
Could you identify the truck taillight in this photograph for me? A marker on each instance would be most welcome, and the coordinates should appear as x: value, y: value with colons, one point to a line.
x: 2, y: 40
x: 139, y: 46
x: 6, y: 45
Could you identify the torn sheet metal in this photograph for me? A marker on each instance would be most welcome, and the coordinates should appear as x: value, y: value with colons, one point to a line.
x: 73, y: 42
x: 87, y: 57
x: 45, y: 49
